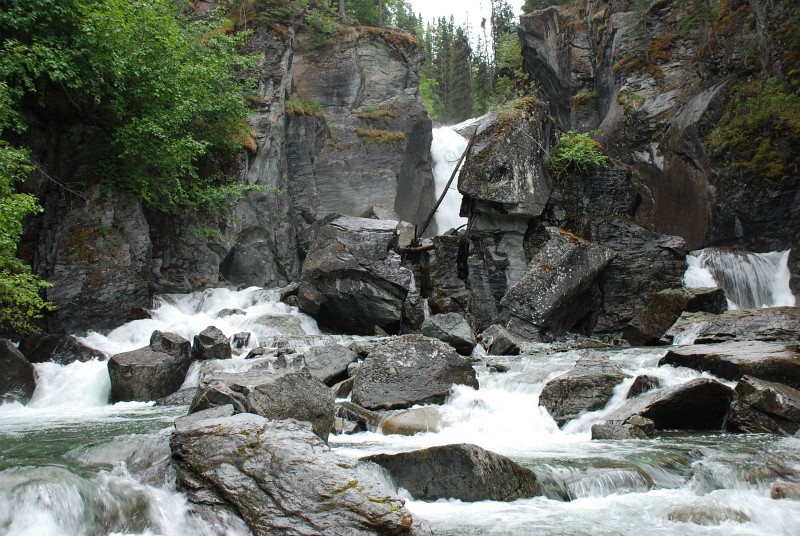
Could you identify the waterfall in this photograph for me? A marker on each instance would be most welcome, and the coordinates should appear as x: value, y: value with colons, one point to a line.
x: 748, y: 279
x: 446, y: 148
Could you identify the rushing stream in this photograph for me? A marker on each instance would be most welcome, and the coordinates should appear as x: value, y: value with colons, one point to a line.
x: 71, y: 464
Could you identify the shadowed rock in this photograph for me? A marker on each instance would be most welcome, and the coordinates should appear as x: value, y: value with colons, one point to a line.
x: 765, y: 407
x: 211, y: 343
x: 17, y: 379
x: 57, y: 348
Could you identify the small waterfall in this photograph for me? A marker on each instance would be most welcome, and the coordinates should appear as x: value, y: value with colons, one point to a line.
x: 446, y: 148
x: 748, y: 279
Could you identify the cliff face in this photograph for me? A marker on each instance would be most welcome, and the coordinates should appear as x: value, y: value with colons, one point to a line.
x: 680, y: 92
x: 369, y: 145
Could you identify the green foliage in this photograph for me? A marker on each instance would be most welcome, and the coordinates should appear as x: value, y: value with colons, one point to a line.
x: 161, y: 94
x: 578, y: 151
x: 321, y: 27
x: 759, y: 116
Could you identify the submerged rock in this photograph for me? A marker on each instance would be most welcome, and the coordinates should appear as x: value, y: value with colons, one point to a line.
x: 409, y: 370
x: 282, y: 479
x: 785, y: 490
x: 57, y: 348
x: 587, y: 387
x: 17, y: 374
x: 151, y: 372
x: 465, y: 472
x: 711, y: 515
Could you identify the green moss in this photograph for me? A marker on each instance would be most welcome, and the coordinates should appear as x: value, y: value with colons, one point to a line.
x: 299, y: 105
x: 380, y: 136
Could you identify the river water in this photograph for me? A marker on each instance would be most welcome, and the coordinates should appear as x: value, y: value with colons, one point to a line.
x: 71, y: 464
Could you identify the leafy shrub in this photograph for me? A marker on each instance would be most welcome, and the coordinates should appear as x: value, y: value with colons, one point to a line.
x: 322, y: 28
x: 577, y: 151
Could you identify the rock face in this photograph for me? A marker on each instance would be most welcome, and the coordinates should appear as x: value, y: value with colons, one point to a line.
x: 17, y: 379
x: 587, y: 387
x: 351, y: 280
x: 151, y: 372
x: 452, y: 329
x: 283, y: 395
x: 58, y: 348
x: 732, y: 360
x: 464, y: 472
x: 771, y: 324
x: 409, y: 370
x: 282, y: 479
x: 211, y: 343
x: 765, y: 407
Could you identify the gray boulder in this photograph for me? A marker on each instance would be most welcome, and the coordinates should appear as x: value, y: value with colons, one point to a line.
x: 731, y: 360
x: 763, y: 406
x: 497, y: 340
x: 642, y: 384
x: 151, y: 372
x: 700, y: 404
x: 551, y: 298
x: 17, y: 374
x: 352, y: 280
x: 768, y: 324
x: 663, y: 308
x: 58, y: 348
x: 409, y: 370
x: 452, y: 329
x: 447, y: 290
x: 211, y: 343
x: 412, y: 421
x: 284, y: 394
x: 282, y: 479
x: 465, y: 472
x: 329, y: 363
x: 634, y: 427
x: 587, y: 387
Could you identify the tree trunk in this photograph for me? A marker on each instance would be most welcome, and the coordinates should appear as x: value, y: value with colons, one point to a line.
x: 341, y: 8
x: 380, y: 12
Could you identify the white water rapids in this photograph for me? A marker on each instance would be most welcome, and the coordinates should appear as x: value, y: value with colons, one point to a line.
x: 71, y: 464
x: 446, y: 148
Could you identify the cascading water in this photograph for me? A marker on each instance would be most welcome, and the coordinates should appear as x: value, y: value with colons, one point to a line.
x: 446, y: 148
x: 71, y: 464
x: 748, y: 279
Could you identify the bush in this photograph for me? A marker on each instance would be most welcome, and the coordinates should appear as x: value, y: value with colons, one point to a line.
x: 577, y: 151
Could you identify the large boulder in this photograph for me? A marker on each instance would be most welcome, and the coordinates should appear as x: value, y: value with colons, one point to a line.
x: 763, y: 406
x: 284, y: 394
x: 352, y: 280
x: 587, y: 387
x: 663, y: 308
x: 211, y: 343
x: 151, y: 372
x: 452, y: 329
x: 497, y: 340
x: 768, y: 324
x: 58, y: 348
x: 17, y: 374
x: 329, y: 363
x: 552, y: 296
x: 465, y: 472
x: 282, y: 479
x: 409, y: 370
x: 731, y: 360
x: 699, y: 404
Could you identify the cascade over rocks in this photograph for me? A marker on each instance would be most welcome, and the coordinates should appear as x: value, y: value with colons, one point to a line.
x: 766, y: 324
x: 408, y: 370
x: 57, y: 348
x: 731, y: 360
x: 285, y: 394
x: 465, y: 472
x: 587, y: 387
x: 352, y: 280
x: 282, y: 479
x: 151, y: 372
x: 17, y: 375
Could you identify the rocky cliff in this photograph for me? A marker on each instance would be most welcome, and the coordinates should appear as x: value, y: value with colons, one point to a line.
x: 336, y: 129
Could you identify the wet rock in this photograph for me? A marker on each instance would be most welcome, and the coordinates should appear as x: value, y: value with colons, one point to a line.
x: 352, y: 280
x: 587, y: 387
x: 731, y: 360
x: 17, y: 374
x: 497, y: 340
x: 768, y: 324
x: 284, y: 394
x: 151, y: 372
x: 635, y: 427
x: 550, y: 298
x: 763, y: 406
x: 465, y: 472
x: 57, y: 348
x: 663, y: 308
x: 412, y: 421
x: 282, y: 479
x: 225, y: 313
x: 785, y: 490
x: 241, y: 339
x: 699, y: 515
x: 329, y: 363
x: 452, y: 329
x: 700, y: 404
x: 642, y: 384
x: 362, y: 417
x: 211, y: 343
x: 183, y: 397
x: 187, y: 422
x: 409, y: 370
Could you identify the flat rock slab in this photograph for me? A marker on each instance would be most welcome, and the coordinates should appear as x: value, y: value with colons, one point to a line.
x: 465, y: 472
x: 731, y: 360
x: 768, y: 324
x: 282, y: 479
